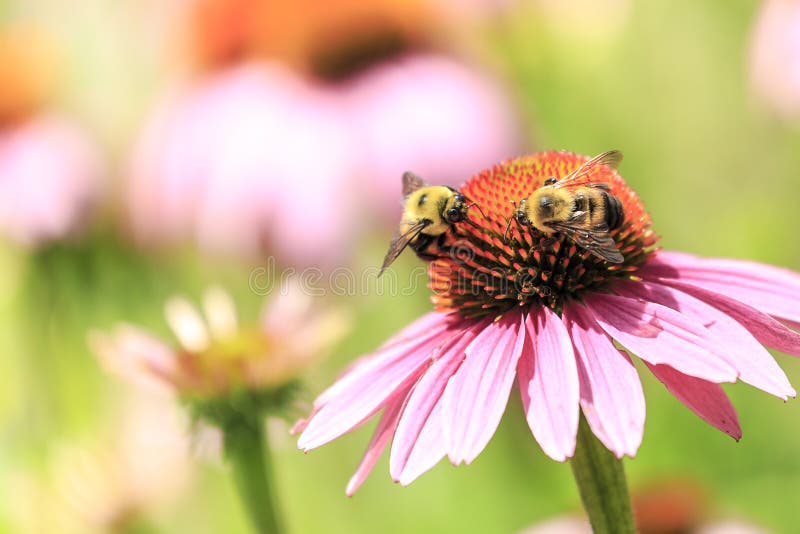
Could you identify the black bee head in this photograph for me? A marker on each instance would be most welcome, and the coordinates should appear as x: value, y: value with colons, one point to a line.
x: 454, y: 215
x: 456, y: 209
x: 520, y: 214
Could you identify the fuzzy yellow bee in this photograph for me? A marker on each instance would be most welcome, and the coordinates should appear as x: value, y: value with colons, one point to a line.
x: 429, y: 211
x: 582, y: 210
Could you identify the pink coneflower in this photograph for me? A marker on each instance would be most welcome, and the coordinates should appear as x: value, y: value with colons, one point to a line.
x: 299, y: 109
x: 231, y: 377
x: 216, y: 356
x: 44, y: 199
x: 254, y: 158
x: 428, y: 113
x: 553, y: 317
x: 775, y: 56
x: 49, y: 167
x: 242, y: 160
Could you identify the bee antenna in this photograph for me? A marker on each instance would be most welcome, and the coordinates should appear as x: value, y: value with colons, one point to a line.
x: 508, y: 227
x: 475, y: 204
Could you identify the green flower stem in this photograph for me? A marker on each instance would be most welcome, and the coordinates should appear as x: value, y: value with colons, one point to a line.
x: 248, y: 454
x: 601, y: 483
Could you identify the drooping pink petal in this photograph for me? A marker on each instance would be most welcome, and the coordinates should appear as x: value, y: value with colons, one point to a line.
x: 752, y: 361
x: 548, y: 383
x: 764, y: 328
x: 426, y: 395
x: 611, y: 394
x: 380, y: 438
x: 426, y: 327
x: 300, y: 425
x: 361, y: 393
x: 425, y: 323
x: 476, y: 396
x: 706, y: 399
x: 429, y: 449
x: 138, y: 357
x: 658, y: 334
x: 772, y: 290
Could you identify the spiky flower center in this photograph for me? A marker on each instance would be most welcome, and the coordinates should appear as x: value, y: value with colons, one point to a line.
x: 481, y: 269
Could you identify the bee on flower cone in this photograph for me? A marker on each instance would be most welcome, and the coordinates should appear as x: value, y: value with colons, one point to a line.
x: 549, y: 314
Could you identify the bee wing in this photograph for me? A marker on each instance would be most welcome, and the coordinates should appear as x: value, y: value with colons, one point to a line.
x: 400, y: 242
x: 596, y: 240
x: 580, y: 176
x: 411, y: 182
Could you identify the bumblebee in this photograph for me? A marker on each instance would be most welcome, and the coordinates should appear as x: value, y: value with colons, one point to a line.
x: 582, y: 210
x: 429, y: 211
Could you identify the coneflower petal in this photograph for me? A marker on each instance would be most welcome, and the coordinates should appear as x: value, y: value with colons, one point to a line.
x: 706, y: 399
x: 764, y: 328
x: 752, y: 361
x: 427, y: 327
x: 383, y: 433
x: 611, y: 393
x: 772, y: 290
x: 430, y: 448
x: 658, y: 334
x: 364, y: 391
x: 426, y: 394
x: 426, y: 323
x: 476, y: 396
x: 548, y: 383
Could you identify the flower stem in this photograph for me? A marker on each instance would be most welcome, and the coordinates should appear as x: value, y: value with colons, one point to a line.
x: 248, y: 454
x: 601, y: 483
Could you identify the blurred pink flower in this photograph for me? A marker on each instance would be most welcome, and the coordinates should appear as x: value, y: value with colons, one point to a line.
x: 431, y: 115
x: 49, y: 180
x: 215, y: 355
x: 775, y: 56
x: 254, y: 159
x: 246, y: 158
x: 443, y: 382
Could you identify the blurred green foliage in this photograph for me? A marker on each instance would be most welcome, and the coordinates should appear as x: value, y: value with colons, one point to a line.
x: 720, y: 176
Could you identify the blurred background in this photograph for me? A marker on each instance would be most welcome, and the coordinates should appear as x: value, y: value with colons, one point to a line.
x: 149, y: 148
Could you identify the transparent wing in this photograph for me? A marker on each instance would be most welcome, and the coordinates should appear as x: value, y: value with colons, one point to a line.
x: 400, y: 242
x: 596, y: 240
x: 411, y: 182
x: 580, y: 176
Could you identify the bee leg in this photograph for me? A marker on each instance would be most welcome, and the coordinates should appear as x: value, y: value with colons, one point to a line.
x: 550, y: 241
x: 505, y: 234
